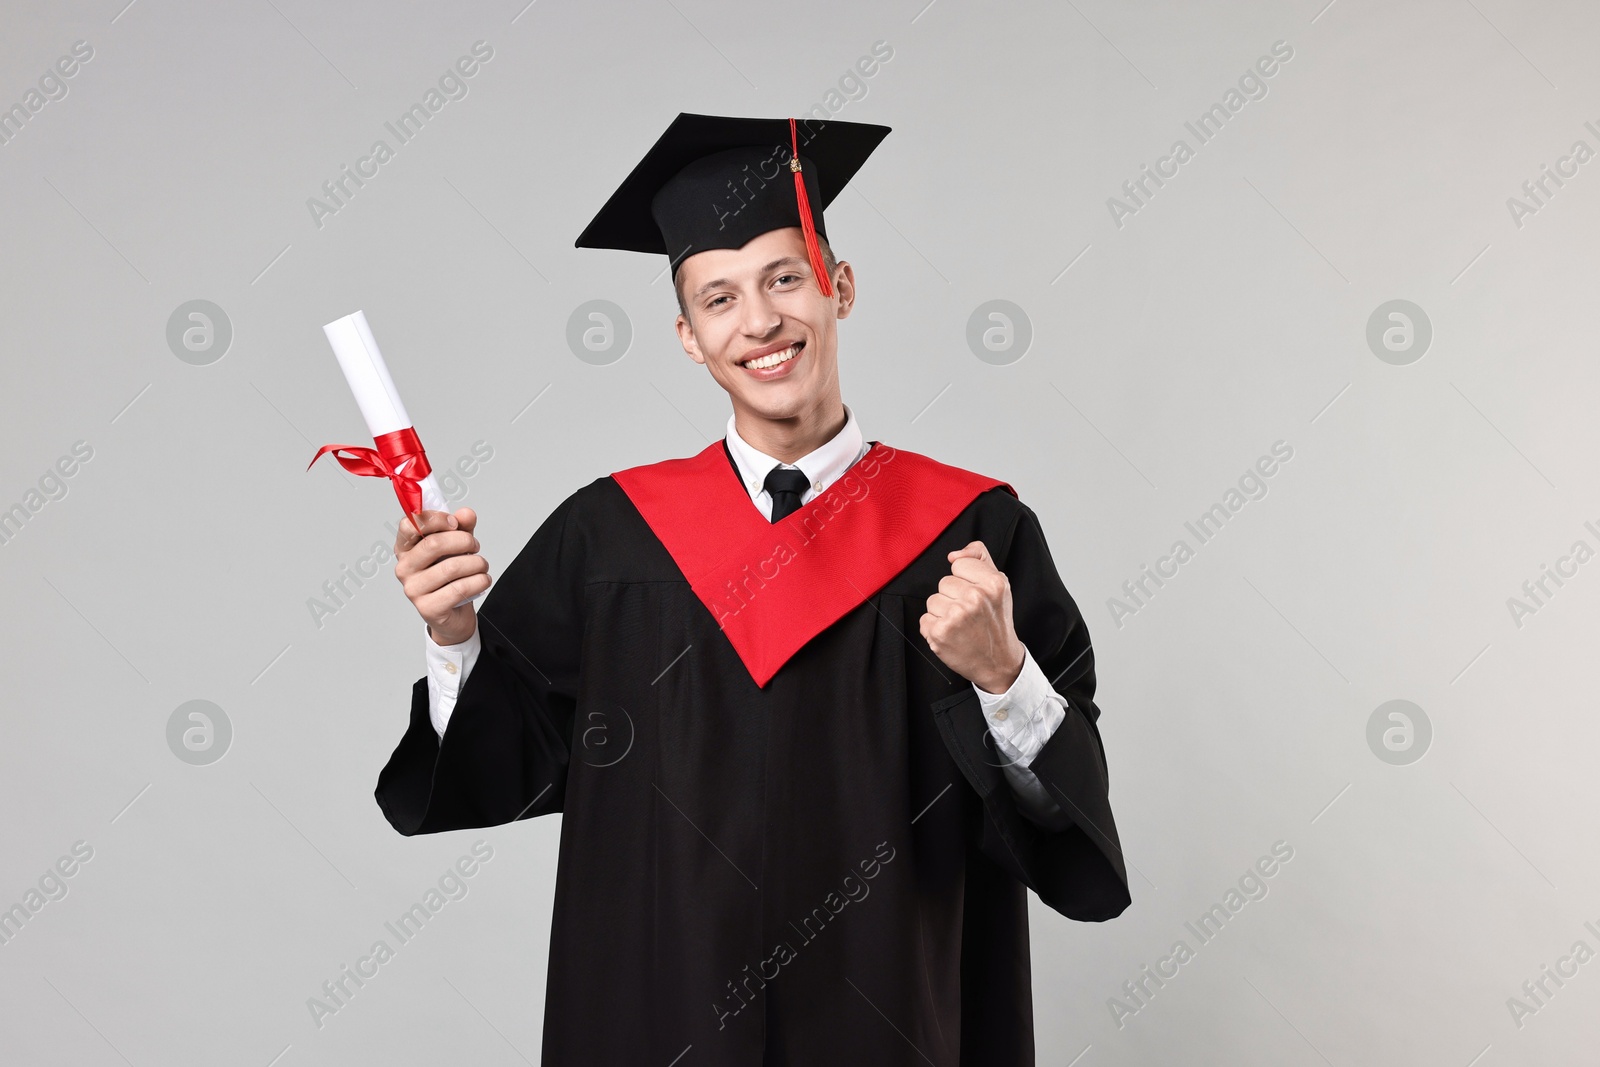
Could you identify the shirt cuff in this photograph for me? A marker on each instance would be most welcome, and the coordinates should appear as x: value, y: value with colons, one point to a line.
x: 448, y: 666
x: 1025, y: 716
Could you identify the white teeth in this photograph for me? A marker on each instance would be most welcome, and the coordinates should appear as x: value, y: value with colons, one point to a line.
x: 764, y: 362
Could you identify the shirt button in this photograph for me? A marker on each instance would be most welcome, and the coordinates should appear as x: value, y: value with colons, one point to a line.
x: 451, y: 667
x: 1000, y: 715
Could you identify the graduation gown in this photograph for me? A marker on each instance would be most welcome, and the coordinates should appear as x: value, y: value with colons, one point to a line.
x: 787, y: 838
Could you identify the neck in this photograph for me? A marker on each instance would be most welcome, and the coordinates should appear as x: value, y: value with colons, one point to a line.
x: 786, y: 440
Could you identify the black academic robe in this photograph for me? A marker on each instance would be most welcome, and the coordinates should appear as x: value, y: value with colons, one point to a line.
x: 801, y: 857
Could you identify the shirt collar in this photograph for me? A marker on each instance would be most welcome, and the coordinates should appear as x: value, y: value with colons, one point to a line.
x: 822, y: 466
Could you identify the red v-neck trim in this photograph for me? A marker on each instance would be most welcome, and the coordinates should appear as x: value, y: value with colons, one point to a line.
x: 773, y: 586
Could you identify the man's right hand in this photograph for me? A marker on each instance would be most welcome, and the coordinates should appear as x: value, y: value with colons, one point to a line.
x: 439, y: 569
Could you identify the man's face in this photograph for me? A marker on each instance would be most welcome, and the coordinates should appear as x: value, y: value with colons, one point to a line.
x: 763, y: 300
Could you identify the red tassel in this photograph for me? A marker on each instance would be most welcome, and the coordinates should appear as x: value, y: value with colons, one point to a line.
x: 806, y: 225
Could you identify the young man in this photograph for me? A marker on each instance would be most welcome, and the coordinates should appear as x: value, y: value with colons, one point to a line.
x: 817, y: 711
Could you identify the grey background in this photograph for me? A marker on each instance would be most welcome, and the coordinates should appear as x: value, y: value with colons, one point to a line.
x: 1229, y: 313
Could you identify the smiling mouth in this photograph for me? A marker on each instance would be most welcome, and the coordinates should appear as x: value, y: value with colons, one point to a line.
x: 773, y: 359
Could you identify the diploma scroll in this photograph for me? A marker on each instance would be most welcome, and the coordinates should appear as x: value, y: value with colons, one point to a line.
x: 398, y: 454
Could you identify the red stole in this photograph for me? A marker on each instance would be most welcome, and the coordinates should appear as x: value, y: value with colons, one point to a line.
x: 772, y: 587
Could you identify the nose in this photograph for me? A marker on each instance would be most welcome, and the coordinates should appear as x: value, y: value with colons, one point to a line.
x: 761, y: 318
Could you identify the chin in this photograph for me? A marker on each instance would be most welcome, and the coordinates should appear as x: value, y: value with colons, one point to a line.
x: 773, y: 408
x: 776, y: 408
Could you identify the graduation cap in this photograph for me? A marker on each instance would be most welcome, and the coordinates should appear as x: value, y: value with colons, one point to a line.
x: 716, y: 182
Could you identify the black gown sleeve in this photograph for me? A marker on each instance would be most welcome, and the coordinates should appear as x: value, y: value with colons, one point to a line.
x: 1078, y: 871
x: 505, y: 751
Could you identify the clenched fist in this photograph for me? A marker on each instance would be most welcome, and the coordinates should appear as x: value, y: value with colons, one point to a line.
x: 968, y: 622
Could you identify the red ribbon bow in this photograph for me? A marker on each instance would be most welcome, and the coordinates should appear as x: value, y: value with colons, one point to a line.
x: 399, y: 457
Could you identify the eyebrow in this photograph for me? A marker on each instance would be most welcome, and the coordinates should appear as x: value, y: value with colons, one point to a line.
x: 785, y: 261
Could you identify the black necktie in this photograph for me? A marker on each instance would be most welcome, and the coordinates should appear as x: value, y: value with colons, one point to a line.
x: 785, y: 487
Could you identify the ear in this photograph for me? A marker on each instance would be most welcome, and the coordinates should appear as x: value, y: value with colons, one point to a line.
x: 686, y: 338
x: 844, y: 287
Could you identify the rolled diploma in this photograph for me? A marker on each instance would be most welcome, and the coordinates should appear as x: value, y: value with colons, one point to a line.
x: 376, y: 396
x: 374, y: 390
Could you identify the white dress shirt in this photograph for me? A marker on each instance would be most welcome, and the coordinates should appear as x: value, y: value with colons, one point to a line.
x: 1021, y: 719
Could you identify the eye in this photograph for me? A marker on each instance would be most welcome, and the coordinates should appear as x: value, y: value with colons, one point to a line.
x: 790, y: 276
x: 714, y: 301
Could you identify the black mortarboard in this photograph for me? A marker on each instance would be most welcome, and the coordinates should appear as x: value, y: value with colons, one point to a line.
x: 715, y: 182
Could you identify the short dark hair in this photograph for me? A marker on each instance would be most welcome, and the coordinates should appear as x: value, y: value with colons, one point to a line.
x: 829, y: 263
